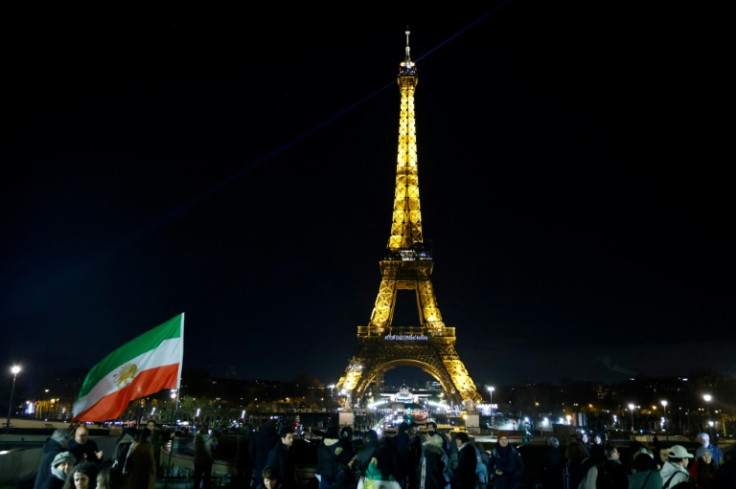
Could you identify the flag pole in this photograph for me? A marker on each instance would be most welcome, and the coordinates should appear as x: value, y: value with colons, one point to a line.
x: 177, y: 398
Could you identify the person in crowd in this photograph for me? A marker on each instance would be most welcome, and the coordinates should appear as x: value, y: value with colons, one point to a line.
x: 485, y: 458
x: 282, y: 457
x: 465, y: 477
x: 726, y: 475
x: 54, y: 445
x: 104, y: 481
x: 585, y: 440
x: 611, y: 473
x: 661, y: 458
x: 82, y: 476
x: 364, y: 456
x: 553, y: 465
x: 575, y: 454
x: 259, y: 446
x: 675, y: 470
x: 243, y: 462
x: 204, y: 457
x: 432, y: 465
x: 715, y: 451
x: 406, y: 457
x: 59, y: 469
x: 505, y: 464
x: 122, y: 448
x: 345, y: 477
x: 159, y: 436
x: 270, y: 477
x: 644, y: 473
x: 83, y: 447
x: 590, y: 467
x: 140, y: 465
x: 328, y: 450
x: 703, y: 468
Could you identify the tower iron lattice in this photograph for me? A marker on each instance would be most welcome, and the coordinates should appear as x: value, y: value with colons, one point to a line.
x: 408, y: 265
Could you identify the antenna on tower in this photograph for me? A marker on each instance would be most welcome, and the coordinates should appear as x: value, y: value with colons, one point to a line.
x: 407, y: 32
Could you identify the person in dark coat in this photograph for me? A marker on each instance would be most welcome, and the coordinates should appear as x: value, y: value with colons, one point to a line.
x: 282, y: 457
x: 60, y: 466
x: 328, y: 451
x: 575, y: 454
x: 505, y: 464
x: 408, y: 452
x: 553, y: 465
x: 364, y: 455
x: 83, y: 447
x: 260, y: 444
x: 464, y: 476
x: 431, y: 470
x: 54, y: 445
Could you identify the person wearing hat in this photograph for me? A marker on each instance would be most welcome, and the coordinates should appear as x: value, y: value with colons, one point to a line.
x: 675, y: 470
x: 61, y: 466
x: 703, y: 469
x: 715, y: 451
x: 54, y: 445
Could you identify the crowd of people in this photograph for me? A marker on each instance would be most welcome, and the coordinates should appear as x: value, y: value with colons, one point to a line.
x: 71, y: 460
x: 586, y: 464
x: 411, y: 459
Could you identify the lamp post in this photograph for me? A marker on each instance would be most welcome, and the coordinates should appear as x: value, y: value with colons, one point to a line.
x: 707, y: 398
x: 631, y: 408
x: 490, y: 391
x: 664, y: 411
x: 15, y: 370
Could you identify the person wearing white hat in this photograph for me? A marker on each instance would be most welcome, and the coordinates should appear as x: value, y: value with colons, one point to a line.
x: 60, y: 467
x: 675, y: 470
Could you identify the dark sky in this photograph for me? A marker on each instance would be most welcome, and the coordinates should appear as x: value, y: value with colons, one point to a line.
x: 239, y: 166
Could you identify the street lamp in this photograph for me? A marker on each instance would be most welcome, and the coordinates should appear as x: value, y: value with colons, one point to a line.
x: 664, y: 411
x: 15, y: 370
x: 631, y: 408
x: 707, y: 398
x: 490, y: 391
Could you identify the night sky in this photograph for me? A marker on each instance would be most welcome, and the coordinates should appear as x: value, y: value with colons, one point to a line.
x: 239, y: 166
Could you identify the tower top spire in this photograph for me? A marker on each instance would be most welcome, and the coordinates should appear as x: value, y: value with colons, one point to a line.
x: 408, y: 48
x: 407, y: 67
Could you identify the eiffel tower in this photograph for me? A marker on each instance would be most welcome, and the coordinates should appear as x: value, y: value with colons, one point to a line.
x: 407, y: 266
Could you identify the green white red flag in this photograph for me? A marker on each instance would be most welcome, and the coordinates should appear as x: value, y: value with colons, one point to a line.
x: 145, y: 365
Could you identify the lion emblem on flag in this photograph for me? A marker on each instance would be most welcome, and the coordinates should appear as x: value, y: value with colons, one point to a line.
x: 126, y: 375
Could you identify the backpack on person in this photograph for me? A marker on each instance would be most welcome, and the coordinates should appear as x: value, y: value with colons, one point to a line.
x: 481, y: 470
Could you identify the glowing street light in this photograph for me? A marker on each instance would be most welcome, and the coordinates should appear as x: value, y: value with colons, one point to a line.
x: 664, y: 411
x: 707, y: 398
x: 490, y: 391
x: 15, y: 370
x: 631, y: 408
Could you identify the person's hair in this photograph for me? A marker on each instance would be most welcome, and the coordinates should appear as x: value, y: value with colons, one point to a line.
x: 643, y: 462
x: 462, y: 436
x: 85, y: 467
x: 105, y: 475
x: 285, y: 431
x: 371, y: 437
x: 143, y: 435
x: 432, y: 425
x: 576, y: 449
x: 609, y: 450
x: 151, y: 421
x: 346, y: 433
x: 270, y: 472
x: 59, y: 434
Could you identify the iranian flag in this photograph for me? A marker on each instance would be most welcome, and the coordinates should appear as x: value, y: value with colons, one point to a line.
x: 141, y: 367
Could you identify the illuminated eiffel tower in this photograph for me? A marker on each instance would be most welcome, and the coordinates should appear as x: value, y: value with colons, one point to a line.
x: 407, y: 266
